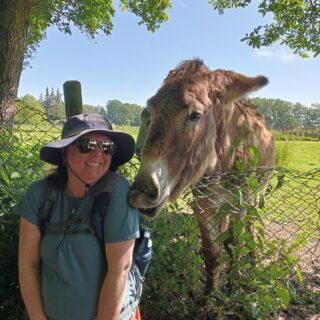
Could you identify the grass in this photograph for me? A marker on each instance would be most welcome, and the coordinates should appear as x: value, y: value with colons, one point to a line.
x: 298, y: 155
x: 296, y: 135
x: 128, y: 129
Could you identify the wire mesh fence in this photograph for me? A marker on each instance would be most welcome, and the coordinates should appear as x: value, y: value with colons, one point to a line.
x: 285, y: 240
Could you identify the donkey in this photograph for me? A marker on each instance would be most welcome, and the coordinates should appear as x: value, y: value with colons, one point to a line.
x: 194, y: 127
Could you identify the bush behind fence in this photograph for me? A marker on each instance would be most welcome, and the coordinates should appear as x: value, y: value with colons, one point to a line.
x: 285, y: 279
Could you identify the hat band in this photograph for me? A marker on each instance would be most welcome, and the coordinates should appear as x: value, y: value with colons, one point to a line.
x: 82, y: 128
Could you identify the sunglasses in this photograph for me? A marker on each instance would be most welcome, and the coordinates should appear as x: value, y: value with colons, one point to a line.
x: 87, y: 145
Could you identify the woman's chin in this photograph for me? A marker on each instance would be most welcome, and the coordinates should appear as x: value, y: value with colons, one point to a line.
x: 91, y: 180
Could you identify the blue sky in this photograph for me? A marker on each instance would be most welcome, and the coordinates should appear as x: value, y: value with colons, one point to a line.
x: 131, y: 64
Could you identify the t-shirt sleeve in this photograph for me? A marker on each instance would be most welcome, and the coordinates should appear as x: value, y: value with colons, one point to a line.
x: 29, y: 205
x: 121, y: 221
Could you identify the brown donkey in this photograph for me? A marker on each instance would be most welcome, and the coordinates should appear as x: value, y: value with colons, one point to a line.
x: 194, y: 127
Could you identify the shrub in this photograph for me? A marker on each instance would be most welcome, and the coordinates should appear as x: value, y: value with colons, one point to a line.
x: 19, y: 165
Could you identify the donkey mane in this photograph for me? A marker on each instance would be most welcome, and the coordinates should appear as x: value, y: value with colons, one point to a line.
x: 187, y: 67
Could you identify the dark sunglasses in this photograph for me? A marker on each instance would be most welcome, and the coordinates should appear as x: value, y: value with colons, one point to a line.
x: 87, y: 145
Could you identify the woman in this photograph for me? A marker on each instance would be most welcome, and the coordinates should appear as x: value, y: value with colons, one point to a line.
x: 65, y: 275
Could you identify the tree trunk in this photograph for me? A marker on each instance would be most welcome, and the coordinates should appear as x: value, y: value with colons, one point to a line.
x: 13, y: 28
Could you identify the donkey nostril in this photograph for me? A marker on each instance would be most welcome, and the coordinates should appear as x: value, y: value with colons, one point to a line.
x: 150, y: 192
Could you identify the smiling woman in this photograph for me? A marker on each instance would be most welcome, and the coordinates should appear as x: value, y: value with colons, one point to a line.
x: 61, y: 247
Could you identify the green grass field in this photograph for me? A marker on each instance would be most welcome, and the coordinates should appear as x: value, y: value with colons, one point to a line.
x: 298, y: 155
x: 128, y: 129
x: 292, y: 155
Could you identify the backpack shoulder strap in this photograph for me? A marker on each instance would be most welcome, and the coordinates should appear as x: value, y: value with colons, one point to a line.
x: 47, y: 206
x: 101, y: 193
x: 105, y: 184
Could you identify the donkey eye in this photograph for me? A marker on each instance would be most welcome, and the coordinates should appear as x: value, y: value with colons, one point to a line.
x: 194, y: 116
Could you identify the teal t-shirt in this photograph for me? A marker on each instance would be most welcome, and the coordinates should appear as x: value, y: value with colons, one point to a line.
x: 74, y: 265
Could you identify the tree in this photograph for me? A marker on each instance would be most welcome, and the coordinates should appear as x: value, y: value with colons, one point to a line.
x: 29, y: 110
x: 46, y: 101
x: 23, y: 25
x: 284, y: 115
x: 94, y: 109
x: 52, y: 104
x: 123, y: 113
x: 296, y: 23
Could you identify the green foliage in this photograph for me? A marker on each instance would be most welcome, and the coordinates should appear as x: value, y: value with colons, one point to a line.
x: 29, y: 110
x: 53, y: 104
x: 19, y: 165
x: 295, y: 24
x: 87, y: 108
x: 91, y: 17
x: 257, y: 287
x: 152, y: 12
x: 123, y: 113
x: 173, y: 286
x: 289, y: 117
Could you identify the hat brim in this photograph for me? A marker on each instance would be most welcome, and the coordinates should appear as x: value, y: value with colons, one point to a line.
x: 51, y: 152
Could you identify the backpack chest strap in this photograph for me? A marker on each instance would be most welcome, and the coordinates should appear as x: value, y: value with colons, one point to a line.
x: 74, y: 225
x: 71, y: 231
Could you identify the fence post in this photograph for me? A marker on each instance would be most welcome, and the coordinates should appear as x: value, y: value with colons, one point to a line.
x: 72, y: 98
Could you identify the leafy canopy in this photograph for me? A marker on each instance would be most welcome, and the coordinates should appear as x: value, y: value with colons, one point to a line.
x: 90, y: 16
x: 296, y: 23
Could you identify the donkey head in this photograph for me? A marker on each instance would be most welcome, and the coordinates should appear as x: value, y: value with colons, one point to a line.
x: 180, y: 125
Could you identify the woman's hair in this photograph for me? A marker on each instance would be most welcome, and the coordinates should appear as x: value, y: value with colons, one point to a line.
x: 59, y: 176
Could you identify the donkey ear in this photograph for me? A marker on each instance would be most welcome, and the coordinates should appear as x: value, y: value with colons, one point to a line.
x: 232, y: 86
x: 171, y: 74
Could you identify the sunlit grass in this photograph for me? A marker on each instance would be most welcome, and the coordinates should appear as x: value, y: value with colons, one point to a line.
x: 128, y: 129
x: 298, y: 155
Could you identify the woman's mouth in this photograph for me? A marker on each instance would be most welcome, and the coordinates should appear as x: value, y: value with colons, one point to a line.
x: 93, y: 164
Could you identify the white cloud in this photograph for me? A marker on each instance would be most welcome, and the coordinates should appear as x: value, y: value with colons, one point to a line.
x: 280, y: 55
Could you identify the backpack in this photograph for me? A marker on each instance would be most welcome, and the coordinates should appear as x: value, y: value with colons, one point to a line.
x: 142, y: 251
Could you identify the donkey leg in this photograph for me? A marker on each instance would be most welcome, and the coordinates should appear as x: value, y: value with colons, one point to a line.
x: 211, y: 249
x: 211, y: 254
x: 211, y: 225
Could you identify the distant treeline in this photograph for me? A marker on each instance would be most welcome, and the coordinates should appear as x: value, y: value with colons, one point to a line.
x: 287, y: 116
x: 51, y: 103
x: 279, y: 114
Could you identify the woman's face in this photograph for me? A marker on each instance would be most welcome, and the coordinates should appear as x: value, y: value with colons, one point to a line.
x: 90, y: 166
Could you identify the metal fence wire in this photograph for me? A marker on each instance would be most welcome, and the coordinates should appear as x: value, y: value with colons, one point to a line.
x: 286, y: 223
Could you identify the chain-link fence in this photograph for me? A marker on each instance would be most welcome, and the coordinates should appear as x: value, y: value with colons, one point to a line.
x: 285, y: 242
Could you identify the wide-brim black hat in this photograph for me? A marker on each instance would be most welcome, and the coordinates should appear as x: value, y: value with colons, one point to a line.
x: 81, y: 124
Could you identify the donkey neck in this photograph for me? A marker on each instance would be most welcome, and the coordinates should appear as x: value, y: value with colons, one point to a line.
x: 233, y: 129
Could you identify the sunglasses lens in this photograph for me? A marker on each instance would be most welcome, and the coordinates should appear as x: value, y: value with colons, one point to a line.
x: 109, y: 147
x: 86, y: 145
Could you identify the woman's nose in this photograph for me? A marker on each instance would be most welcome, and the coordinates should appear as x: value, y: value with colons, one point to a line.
x: 98, y: 148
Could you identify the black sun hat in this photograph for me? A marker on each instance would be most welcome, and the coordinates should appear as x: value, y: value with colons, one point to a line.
x: 81, y: 124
